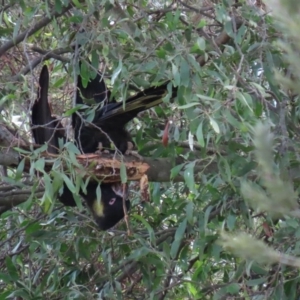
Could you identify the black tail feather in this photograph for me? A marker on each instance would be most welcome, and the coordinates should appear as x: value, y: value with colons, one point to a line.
x: 45, y: 128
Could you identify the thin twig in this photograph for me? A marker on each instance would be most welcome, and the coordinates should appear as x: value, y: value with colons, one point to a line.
x: 42, y: 23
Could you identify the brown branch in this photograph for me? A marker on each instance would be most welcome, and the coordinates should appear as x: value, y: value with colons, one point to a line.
x: 40, y: 24
x: 104, y: 167
x: 3, y: 209
x: 6, y: 7
x: 54, y: 53
x: 201, y: 11
x: 14, y: 198
x: 9, y: 158
x: 118, y: 12
x: 130, y: 267
x: 222, y: 38
x: 9, y: 137
x: 46, y: 55
x: 21, y: 229
x: 107, y: 167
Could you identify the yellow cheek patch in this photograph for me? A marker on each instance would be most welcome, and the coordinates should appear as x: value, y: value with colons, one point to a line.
x: 98, y: 208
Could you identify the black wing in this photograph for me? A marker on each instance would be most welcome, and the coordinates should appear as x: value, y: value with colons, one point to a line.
x: 108, y: 125
x: 125, y: 112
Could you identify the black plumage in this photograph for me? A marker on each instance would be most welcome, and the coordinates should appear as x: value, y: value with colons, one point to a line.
x: 109, y: 123
x: 106, y: 128
x: 109, y: 127
x: 47, y: 129
x: 109, y: 211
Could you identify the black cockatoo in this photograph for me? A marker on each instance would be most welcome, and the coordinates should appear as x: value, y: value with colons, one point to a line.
x: 47, y: 129
x: 106, y: 128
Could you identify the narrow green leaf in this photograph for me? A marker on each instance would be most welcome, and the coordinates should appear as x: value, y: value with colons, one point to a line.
x: 17, y: 28
x: 204, y: 97
x: 148, y: 227
x: 206, y: 215
x: 39, y: 165
x: 98, y: 194
x: 201, y: 43
x: 231, y: 119
x: 77, y: 3
x: 69, y: 183
x: 41, y: 149
x: 181, y: 230
x: 201, y: 24
x: 178, y: 238
x: 214, y: 125
x: 116, y: 72
x: 245, y: 101
x: 191, y: 141
x: 59, y: 82
x: 84, y: 74
x: 78, y: 107
x: 71, y: 148
x: 105, y: 50
x: 58, y: 6
x: 229, y: 28
x: 256, y: 282
x: 48, y: 187
x: 233, y: 288
x: 72, y: 155
x: 199, y: 135
x: 176, y: 75
x: 137, y: 254
x: 231, y: 221
x: 188, y: 105
x: 20, y: 169
x: 95, y: 61
x: 176, y: 170
x: 184, y: 73
x: 189, y: 176
x: 190, y: 212
x: 123, y: 173
x: 22, y: 150
x: 6, y: 279
x: 174, y: 248
x: 11, y: 268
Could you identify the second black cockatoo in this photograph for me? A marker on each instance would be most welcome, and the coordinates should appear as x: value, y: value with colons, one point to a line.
x: 47, y: 129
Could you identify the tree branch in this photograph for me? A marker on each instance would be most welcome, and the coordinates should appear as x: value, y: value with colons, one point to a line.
x: 14, y: 198
x: 42, y: 23
x: 222, y: 38
x: 46, y: 55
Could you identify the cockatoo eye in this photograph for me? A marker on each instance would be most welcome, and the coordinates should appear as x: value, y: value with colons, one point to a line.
x: 112, y: 201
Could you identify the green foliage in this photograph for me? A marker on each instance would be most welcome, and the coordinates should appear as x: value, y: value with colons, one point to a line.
x: 228, y: 173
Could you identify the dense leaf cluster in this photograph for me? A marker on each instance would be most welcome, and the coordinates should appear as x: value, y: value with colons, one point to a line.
x: 228, y: 173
